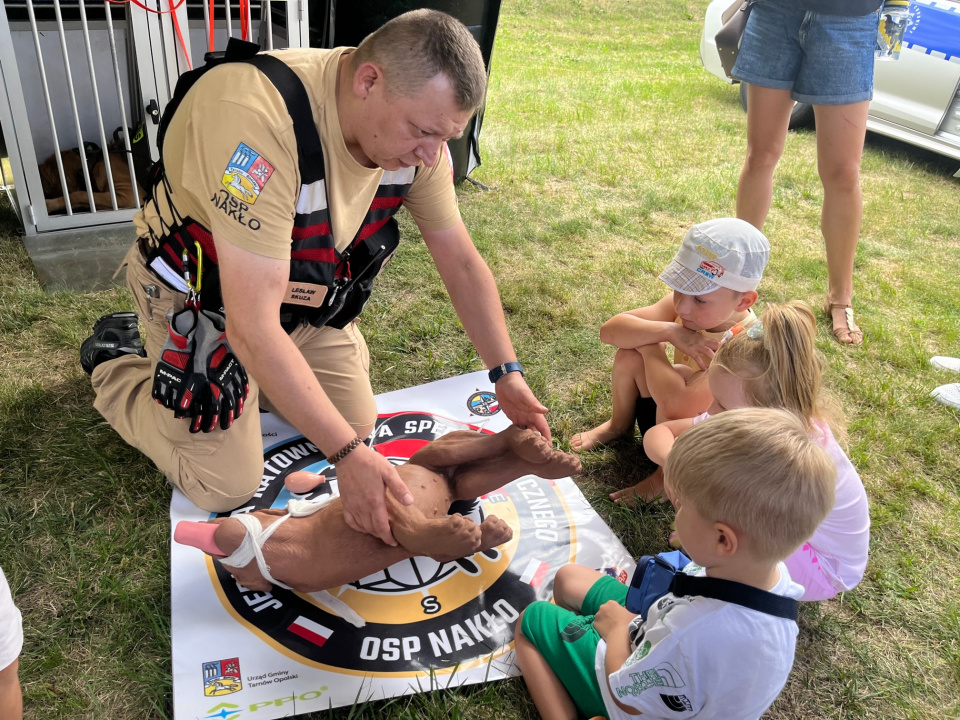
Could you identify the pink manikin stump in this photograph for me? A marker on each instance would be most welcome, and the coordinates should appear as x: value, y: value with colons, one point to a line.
x: 317, y: 551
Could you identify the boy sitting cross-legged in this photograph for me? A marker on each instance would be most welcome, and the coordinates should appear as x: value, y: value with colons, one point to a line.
x: 714, y: 278
x: 749, y: 486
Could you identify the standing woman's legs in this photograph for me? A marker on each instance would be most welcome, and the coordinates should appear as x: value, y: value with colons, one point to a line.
x: 768, y: 116
x: 841, y: 130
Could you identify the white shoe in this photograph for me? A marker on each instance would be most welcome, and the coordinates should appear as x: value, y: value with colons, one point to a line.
x: 946, y: 363
x: 949, y: 395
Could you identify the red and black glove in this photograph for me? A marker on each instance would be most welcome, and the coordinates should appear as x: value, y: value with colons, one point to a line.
x: 197, y: 374
x: 176, y: 384
x: 227, y: 385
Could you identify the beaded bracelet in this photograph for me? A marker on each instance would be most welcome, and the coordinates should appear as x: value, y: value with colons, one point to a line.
x: 345, y: 450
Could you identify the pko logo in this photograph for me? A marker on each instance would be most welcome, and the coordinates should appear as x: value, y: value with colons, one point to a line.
x: 223, y: 711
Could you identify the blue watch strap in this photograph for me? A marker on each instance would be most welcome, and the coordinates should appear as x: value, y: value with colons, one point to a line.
x: 500, y: 370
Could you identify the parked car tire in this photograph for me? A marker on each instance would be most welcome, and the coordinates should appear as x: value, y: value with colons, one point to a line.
x: 800, y: 116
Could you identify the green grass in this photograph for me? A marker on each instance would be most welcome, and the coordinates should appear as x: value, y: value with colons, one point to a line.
x: 604, y: 139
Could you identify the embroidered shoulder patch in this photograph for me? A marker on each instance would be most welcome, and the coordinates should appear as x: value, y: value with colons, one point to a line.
x: 246, y: 174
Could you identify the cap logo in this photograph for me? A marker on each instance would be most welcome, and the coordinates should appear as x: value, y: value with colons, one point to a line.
x: 701, y: 250
x: 710, y: 270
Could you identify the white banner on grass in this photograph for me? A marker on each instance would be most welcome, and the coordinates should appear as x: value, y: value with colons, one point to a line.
x: 242, y: 654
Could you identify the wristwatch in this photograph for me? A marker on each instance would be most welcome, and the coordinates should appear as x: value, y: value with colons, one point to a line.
x: 500, y: 370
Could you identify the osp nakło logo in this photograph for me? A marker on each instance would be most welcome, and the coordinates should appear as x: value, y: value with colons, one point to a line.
x: 420, y: 614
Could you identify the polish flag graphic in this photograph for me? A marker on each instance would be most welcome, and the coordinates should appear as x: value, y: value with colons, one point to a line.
x: 309, y: 630
x: 535, y: 573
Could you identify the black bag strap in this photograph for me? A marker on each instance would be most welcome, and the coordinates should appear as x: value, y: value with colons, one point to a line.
x: 289, y: 86
x: 737, y: 593
x: 287, y: 82
x: 295, y: 97
x: 237, y: 50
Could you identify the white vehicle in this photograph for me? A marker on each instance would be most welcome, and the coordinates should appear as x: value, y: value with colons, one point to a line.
x: 916, y: 99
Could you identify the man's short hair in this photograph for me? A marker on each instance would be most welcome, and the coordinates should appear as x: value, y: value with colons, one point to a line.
x: 415, y: 47
x: 758, y: 471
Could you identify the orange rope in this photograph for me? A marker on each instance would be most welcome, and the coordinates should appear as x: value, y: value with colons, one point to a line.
x: 144, y: 7
x: 176, y: 27
x: 176, y: 24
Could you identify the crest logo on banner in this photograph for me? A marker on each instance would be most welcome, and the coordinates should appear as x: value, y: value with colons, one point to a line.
x: 483, y: 403
x: 419, y: 613
x: 221, y: 677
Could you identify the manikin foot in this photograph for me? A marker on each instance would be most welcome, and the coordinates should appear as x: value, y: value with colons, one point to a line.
x: 493, y: 532
x: 443, y: 540
x: 536, y: 449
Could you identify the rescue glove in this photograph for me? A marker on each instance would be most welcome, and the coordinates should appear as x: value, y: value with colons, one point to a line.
x: 226, y: 380
x: 176, y: 384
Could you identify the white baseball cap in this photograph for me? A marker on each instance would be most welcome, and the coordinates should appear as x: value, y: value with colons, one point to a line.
x: 727, y: 252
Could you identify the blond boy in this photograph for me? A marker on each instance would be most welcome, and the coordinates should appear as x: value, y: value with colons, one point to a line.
x: 749, y: 486
x: 714, y: 278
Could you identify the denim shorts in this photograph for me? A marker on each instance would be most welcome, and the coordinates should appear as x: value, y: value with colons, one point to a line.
x: 822, y: 59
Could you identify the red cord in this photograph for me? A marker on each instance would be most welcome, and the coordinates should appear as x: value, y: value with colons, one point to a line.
x: 212, y: 23
x: 244, y: 26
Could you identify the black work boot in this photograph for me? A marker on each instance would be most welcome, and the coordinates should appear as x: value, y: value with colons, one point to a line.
x: 114, y: 335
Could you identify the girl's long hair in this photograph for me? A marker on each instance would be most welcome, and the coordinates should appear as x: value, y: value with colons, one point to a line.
x: 777, y: 360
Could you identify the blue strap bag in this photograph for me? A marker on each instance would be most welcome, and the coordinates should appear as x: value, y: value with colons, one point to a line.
x: 652, y: 579
x: 656, y: 575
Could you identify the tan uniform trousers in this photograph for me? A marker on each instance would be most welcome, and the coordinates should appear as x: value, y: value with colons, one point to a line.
x: 220, y: 470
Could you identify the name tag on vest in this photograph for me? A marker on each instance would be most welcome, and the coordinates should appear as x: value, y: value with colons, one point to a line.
x: 300, y: 293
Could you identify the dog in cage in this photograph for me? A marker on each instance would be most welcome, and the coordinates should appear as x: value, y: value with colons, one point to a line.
x: 76, y: 185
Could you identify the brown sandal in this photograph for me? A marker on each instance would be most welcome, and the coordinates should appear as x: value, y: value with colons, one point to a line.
x: 849, y: 333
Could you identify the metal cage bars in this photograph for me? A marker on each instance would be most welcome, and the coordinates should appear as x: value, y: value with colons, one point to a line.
x: 159, y: 55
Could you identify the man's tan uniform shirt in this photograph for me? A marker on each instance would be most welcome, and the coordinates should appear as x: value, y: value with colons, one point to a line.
x: 234, y: 111
x: 230, y: 158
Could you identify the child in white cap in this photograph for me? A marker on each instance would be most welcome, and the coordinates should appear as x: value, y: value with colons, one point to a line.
x: 714, y: 278
x: 11, y: 642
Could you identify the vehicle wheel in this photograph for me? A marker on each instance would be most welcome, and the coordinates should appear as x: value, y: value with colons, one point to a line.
x: 800, y: 116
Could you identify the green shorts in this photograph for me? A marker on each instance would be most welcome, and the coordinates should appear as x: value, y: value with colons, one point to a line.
x: 568, y: 642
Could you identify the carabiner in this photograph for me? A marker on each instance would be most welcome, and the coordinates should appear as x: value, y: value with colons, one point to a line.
x: 193, y: 288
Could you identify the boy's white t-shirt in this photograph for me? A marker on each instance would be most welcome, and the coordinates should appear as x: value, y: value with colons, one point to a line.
x: 11, y: 626
x: 698, y: 657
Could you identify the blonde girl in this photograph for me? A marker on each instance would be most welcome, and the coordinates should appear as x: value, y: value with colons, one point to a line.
x: 774, y: 362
